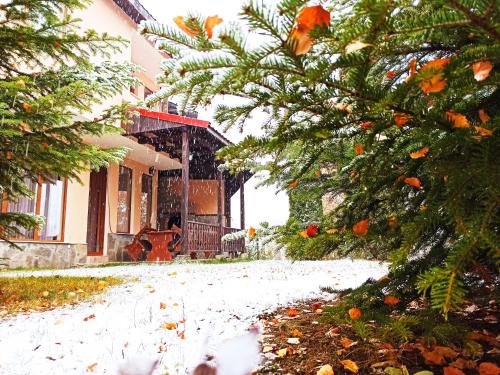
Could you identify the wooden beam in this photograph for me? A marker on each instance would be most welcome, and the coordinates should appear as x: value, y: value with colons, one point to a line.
x: 185, y: 191
x: 220, y: 208
x: 242, y: 200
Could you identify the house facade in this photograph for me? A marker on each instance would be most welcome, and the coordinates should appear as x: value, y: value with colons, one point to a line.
x: 169, y: 177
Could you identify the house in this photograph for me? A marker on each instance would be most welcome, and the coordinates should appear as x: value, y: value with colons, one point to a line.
x: 169, y: 176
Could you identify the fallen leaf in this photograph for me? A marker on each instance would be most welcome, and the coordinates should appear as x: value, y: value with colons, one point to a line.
x: 350, y: 365
x: 181, y: 335
x: 293, y: 184
x: 333, y: 332
x: 296, y: 333
x: 347, y: 343
x: 317, y: 173
x: 462, y: 363
x: 313, y: 16
x: 459, y: 120
x: 433, y: 358
x: 312, y: 230
x: 413, y: 68
x: 390, y: 74
x: 433, y: 84
x: 332, y: 230
x: 361, y: 228
x: 27, y: 107
x: 437, y: 64
x: 483, y: 116
x: 267, y: 349
x: 419, y: 153
x: 413, y: 181
x: 163, y: 306
x: 483, y: 131
x: 282, y: 352
x: 358, y: 149
x: 356, y: 46
x: 301, y: 41
x: 210, y: 24
x: 148, y: 286
x: 452, y: 371
x: 325, y: 370
x: 174, y: 273
x: 392, y: 221
x: 425, y: 372
x: 87, y: 318
x: 169, y: 326
x: 354, y: 313
x: 291, y: 312
x: 179, y: 21
x: 45, y: 293
x: 391, y: 300
x: 393, y: 371
x: 488, y: 368
x: 91, y: 368
x: 366, y: 125
x: 482, y: 70
x: 401, y: 119
x: 316, y: 305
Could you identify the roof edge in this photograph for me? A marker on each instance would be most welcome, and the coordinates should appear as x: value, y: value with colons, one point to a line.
x: 135, y: 10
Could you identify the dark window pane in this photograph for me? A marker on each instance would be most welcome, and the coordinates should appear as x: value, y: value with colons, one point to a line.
x: 27, y: 206
x: 124, y: 199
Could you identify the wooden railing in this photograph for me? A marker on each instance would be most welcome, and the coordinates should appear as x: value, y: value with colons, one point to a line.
x: 235, y: 245
x: 205, y: 238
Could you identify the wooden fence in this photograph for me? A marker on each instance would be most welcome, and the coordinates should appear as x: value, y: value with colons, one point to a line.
x: 205, y: 238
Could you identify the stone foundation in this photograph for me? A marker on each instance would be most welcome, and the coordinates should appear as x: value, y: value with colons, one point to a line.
x: 116, y: 247
x: 36, y: 254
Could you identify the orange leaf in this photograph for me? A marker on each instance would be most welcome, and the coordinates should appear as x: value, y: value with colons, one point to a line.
x: 181, y: 335
x: 312, y: 230
x: 296, y: 333
x: 251, y: 232
x: 346, y: 342
x: 358, y: 149
x: 483, y: 116
x: 293, y: 184
x: 452, y: 371
x: 462, y: 363
x: 325, y: 370
x: 433, y: 358
x: 316, y: 306
x: 303, y: 233
x: 413, y: 181
x: 401, y: 118
x: 366, y: 125
x: 301, y: 41
x: 413, y: 67
x: 91, y: 368
x: 390, y: 74
x: 488, y: 368
x: 350, y: 365
x: 391, y: 300
x: 210, y: 24
x: 354, y: 313
x: 179, y: 21
x: 361, y: 228
x: 163, y: 306
x: 437, y: 64
x: 332, y: 230
x: 27, y: 107
x: 392, y: 221
x: 313, y: 16
x: 435, y: 83
x: 169, y: 326
x: 317, y: 173
x: 291, y: 312
x: 446, y: 351
x: 87, y: 318
x: 420, y: 153
x: 483, y: 131
x: 459, y: 121
x: 482, y: 70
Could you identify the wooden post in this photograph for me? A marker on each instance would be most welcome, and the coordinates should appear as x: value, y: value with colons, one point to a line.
x: 185, y: 191
x: 220, y: 212
x: 242, y: 201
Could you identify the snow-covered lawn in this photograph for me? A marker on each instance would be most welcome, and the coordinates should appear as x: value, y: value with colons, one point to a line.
x: 215, y: 301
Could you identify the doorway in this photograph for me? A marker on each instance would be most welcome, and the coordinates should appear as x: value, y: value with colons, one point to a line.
x: 97, y: 212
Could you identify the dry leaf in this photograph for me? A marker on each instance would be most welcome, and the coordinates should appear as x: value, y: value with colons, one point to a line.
x: 358, y: 149
x: 282, y: 352
x: 354, y: 313
x: 482, y: 70
x: 390, y: 74
x: 391, y: 300
x: 27, y: 107
x: 366, y: 125
x: 413, y: 181
x: 392, y: 221
x: 267, y: 349
x: 91, y: 368
x: 452, y: 371
x: 179, y: 21
x: 361, y: 228
x: 483, y: 131
x: 483, y: 116
x: 401, y: 119
x: 87, y: 318
x: 462, y: 363
x: 347, y: 343
x: 413, y: 68
x: 291, y: 312
x: 419, y: 153
x: 325, y: 370
x: 350, y: 365
x: 437, y: 64
x: 433, y: 358
x: 433, y: 84
x: 251, y: 232
x: 181, y: 335
x: 313, y: 16
x: 293, y: 184
x: 488, y: 368
x: 169, y: 326
x: 210, y: 24
x: 301, y: 41
x: 163, y: 306
x: 312, y: 230
x: 459, y: 120
x: 356, y: 46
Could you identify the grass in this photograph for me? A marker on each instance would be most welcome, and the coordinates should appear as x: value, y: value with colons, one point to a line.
x: 19, y: 294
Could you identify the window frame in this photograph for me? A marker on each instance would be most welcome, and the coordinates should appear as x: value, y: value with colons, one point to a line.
x: 131, y: 193
x: 38, y: 201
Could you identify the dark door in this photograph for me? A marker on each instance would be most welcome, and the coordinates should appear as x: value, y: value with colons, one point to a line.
x: 97, y: 212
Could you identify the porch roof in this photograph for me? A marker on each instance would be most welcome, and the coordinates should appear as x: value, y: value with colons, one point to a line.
x: 164, y: 132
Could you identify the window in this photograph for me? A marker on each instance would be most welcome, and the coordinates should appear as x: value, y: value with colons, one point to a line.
x: 146, y: 200
x: 48, y: 201
x: 147, y: 92
x: 124, y: 200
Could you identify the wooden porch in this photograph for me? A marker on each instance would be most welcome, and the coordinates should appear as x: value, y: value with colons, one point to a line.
x: 203, y: 221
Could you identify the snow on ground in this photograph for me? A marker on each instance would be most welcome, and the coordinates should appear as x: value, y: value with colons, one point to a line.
x: 216, y: 302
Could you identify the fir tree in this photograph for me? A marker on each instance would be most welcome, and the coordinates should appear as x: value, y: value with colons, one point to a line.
x: 396, y: 101
x: 47, y: 87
